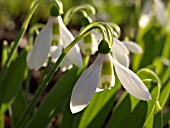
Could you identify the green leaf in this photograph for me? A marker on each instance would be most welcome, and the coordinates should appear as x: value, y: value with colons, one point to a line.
x: 166, y: 49
x: 130, y: 112
x: 55, y: 99
x: 152, y: 44
x: 158, y: 119
x: 97, y: 111
x: 69, y: 119
x: 166, y: 117
x: 12, y: 81
x: 18, y: 106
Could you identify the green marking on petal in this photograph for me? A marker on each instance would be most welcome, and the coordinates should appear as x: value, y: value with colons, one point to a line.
x: 106, y: 85
x: 88, y: 39
x: 56, y: 28
x: 88, y: 51
x: 107, y: 68
x: 55, y: 42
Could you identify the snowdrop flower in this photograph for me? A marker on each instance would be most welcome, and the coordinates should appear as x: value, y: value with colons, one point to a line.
x: 89, y: 45
x: 160, y: 12
x: 146, y: 15
x: 100, y: 74
x: 56, y: 32
x: 153, y: 8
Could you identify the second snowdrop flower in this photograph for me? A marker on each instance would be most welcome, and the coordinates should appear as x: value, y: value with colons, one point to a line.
x: 56, y: 32
x: 101, y: 75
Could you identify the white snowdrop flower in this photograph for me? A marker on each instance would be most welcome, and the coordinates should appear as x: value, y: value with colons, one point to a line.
x: 160, y: 12
x: 146, y: 15
x: 97, y: 75
x: 153, y: 8
x: 89, y: 45
x: 56, y: 32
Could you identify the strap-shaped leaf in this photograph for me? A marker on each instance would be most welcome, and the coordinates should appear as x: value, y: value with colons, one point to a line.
x: 55, y: 100
x: 11, y: 82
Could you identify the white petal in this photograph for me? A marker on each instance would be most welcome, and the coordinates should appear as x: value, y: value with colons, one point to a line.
x: 55, y: 52
x: 131, y: 82
x: 119, y: 46
x: 86, y: 85
x: 65, y: 64
x: 39, y: 53
x: 122, y: 58
x: 133, y: 47
x: 120, y: 52
x: 74, y: 54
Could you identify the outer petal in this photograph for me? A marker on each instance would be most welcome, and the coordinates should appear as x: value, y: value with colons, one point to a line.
x: 119, y: 46
x: 133, y: 47
x: 37, y: 56
x: 120, y: 53
x: 74, y: 54
x: 161, y: 14
x: 131, y: 82
x: 86, y: 85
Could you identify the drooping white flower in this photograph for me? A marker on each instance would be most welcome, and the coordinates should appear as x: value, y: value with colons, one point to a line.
x: 160, y: 12
x: 89, y: 44
x: 146, y: 14
x: 62, y: 36
x: 91, y: 78
x: 153, y: 8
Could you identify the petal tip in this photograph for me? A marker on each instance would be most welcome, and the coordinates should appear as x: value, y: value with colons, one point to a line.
x: 75, y: 109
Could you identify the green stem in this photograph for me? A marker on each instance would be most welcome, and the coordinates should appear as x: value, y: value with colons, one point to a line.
x: 82, y: 8
x: 27, y: 84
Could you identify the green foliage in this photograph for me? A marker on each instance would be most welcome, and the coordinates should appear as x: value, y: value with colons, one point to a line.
x: 55, y: 100
x: 11, y: 83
